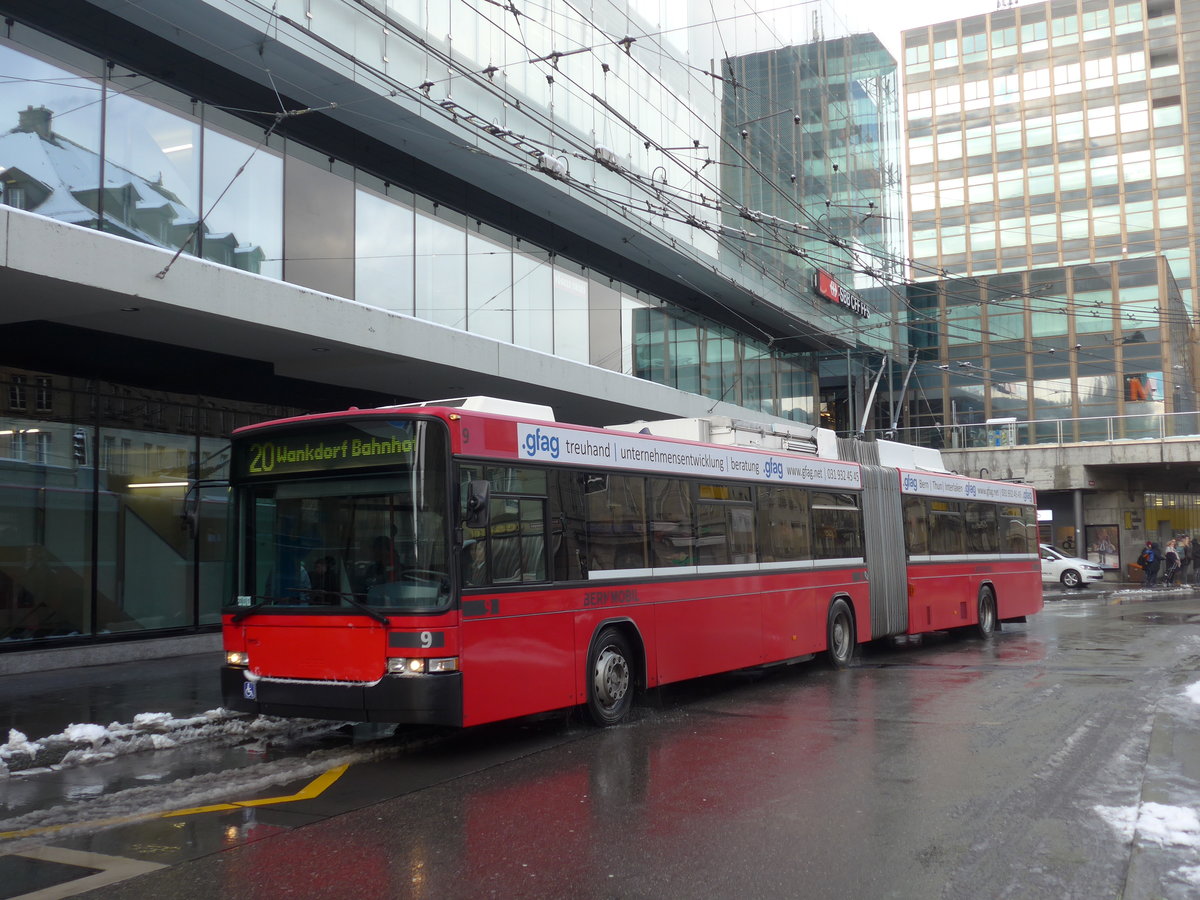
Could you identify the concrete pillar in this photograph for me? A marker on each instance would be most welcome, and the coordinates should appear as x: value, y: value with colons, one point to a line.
x: 1080, y: 546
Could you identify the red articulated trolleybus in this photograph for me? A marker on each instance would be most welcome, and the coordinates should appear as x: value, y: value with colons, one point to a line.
x: 472, y: 560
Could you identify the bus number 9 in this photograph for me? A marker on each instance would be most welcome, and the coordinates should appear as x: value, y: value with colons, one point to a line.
x: 262, y: 458
x: 426, y: 639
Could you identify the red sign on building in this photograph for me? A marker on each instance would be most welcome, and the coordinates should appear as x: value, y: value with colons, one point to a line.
x: 828, y: 287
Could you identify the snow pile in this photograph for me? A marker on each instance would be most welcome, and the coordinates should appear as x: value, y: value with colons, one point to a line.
x: 1188, y: 874
x: 93, y: 813
x: 1156, y: 823
x: 87, y: 743
x: 1192, y: 691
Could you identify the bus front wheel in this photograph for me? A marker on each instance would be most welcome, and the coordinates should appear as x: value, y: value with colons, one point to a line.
x: 840, y: 644
x: 609, y: 677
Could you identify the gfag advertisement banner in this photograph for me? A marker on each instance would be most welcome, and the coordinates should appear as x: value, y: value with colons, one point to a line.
x: 543, y: 443
x: 927, y: 484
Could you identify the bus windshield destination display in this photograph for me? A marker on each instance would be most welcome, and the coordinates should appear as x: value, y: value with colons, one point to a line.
x: 324, y: 449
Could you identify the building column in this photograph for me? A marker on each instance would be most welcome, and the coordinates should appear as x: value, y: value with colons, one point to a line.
x: 1080, y: 546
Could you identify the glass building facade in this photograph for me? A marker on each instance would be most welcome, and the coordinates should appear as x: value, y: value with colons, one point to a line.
x: 1050, y: 159
x: 818, y: 126
x: 1013, y: 347
x: 341, y: 230
x: 1050, y: 134
x: 121, y: 136
x: 112, y: 520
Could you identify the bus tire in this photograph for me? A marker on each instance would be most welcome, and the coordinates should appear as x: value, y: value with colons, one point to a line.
x: 609, y: 677
x: 986, y: 624
x: 839, y: 632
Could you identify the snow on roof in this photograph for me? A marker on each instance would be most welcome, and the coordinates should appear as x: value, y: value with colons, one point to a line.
x: 68, y: 170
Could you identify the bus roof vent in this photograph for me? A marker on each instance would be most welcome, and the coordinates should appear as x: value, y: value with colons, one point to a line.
x: 794, y: 437
x: 497, y: 405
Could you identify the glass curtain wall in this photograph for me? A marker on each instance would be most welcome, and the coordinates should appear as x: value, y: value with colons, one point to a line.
x: 1087, y: 352
x: 170, y: 171
x: 161, y: 169
x: 98, y: 533
x: 1056, y: 132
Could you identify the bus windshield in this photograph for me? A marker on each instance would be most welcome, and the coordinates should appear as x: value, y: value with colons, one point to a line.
x: 377, y: 539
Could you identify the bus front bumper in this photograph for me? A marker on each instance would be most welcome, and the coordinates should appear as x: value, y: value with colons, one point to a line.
x: 403, y: 699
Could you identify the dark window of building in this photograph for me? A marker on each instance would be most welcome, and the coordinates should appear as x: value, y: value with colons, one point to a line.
x: 16, y: 393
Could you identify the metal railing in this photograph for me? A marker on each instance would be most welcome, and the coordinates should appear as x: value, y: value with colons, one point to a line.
x: 993, y: 434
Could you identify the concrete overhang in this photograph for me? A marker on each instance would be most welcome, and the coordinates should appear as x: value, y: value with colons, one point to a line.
x: 293, y: 59
x: 73, y: 276
x: 1166, y: 464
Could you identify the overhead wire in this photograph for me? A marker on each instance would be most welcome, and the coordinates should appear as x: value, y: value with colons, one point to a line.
x: 762, y: 242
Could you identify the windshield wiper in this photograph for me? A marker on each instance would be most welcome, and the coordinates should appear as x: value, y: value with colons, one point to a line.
x: 373, y: 613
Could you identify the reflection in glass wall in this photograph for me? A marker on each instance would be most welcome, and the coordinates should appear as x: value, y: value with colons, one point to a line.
x: 145, y: 581
x: 489, y: 285
x: 243, y: 204
x: 45, y: 531
x: 207, y: 514
x: 73, y: 453
x: 441, y: 267
x: 147, y: 185
x: 142, y: 137
x: 383, y: 251
x: 49, y: 131
x: 533, y: 322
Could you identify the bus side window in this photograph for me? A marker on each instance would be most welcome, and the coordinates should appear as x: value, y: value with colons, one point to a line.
x: 672, y: 524
x: 617, y: 523
x: 568, y: 526
x: 518, y: 539
x: 783, y: 524
x: 916, y: 526
x: 981, y: 527
x: 533, y: 539
x: 836, y: 526
x: 946, y: 527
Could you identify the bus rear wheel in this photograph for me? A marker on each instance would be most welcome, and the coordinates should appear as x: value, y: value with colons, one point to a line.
x: 986, y: 625
x: 840, y: 641
x: 609, y: 677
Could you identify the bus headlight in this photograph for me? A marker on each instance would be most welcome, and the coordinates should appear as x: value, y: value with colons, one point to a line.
x: 237, y: 658
x: 400, y: 665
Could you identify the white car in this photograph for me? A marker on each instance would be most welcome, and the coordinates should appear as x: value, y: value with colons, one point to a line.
x: 1071, y: 571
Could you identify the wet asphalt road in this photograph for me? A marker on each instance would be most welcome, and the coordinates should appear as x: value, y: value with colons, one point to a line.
x: 940, y: 768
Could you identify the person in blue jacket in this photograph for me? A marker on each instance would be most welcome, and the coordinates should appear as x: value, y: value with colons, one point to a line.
x: 1149, y: 560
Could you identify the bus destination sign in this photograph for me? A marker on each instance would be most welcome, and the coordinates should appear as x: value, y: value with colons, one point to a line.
x: 325, y: 448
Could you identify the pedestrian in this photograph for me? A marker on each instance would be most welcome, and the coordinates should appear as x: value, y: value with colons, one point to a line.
x: 1171, y: 562
x: 1184, y: 546
x: 1148, y: 560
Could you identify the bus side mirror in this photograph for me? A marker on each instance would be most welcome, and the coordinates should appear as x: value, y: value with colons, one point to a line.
x: 478, y: 501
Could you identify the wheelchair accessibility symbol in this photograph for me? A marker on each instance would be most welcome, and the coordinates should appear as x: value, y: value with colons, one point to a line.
x: 248, y: 690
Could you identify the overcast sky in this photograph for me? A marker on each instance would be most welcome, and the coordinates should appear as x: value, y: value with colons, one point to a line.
x: 887, y: 18
x: 748, y: 26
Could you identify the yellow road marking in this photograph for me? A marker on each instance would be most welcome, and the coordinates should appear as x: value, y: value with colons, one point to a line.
x: 313, y: 789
